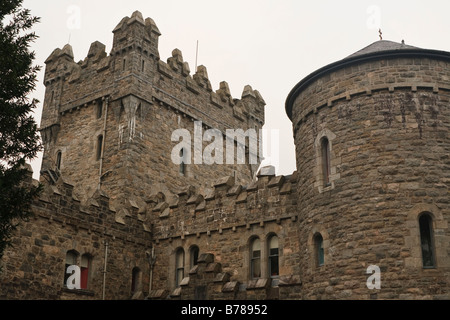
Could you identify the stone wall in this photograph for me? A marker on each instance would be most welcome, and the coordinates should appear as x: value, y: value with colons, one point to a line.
x: 34, y: 267
x: 222, y: 224
x: 135, y: 101
x: 388, y: 126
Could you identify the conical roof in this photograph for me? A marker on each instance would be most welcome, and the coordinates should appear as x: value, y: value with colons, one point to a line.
x: 382, y: 45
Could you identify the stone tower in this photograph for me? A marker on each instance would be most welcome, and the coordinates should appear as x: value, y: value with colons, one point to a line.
x: 108, y: 120
x: 372, y: 150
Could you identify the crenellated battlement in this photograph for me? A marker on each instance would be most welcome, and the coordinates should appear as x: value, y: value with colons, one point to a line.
x: 59, y: 204
x: 228, y: 205
x: 134, y: 67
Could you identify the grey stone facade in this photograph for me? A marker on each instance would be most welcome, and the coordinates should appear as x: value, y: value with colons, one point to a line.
x: 372, y: 139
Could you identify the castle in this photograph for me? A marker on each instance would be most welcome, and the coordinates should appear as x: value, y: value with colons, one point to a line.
x: 371, y: 190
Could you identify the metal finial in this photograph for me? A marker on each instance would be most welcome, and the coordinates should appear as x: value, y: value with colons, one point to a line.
x: 381, y: 34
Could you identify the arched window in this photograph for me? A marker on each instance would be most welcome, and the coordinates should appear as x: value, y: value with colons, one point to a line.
x: 255, y: 258
x: 318, y: 247
x: 71, y: 260
x: 426, y: 240
x: 99, y: 147
x: 179, y: 267
x: 325, y: 152
x: 194, y: 256
x: 85, y: 267
x: 58, y: 160
x: 273, y: 256
x: 135, y: 279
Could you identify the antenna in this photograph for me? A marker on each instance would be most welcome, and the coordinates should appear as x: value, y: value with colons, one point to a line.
x: 70, y: 34
x: 196, y: 57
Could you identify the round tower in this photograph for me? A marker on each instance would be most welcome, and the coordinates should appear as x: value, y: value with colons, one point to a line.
x: 373, y: 155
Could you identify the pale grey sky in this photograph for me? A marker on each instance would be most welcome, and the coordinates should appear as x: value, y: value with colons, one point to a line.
x: 270, y: 45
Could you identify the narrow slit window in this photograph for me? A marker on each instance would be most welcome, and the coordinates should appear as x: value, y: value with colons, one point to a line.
x: 183, y: 162
x: 99, y: 110
x: 99, y: 147
x: 426, y: 241
x: 326, y: 170
x: 58, y: 160
x: 320, y: 256
x: 135, y: 279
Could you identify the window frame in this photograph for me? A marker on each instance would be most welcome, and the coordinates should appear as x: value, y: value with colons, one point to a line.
x: 58, y: 160
x: 325, y: 153
x: 85, y: 271
x: 255, y: 261
x: 429, y: 238
x: 179, y: 266
x: 271, y: 257
x: 99, y: 150
x: 136, y: 280
x: 194, y: 254
x: 319, y: 251
x: 74, y: 255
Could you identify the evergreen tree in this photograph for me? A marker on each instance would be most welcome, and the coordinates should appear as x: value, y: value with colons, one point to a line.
x: 19, y: 139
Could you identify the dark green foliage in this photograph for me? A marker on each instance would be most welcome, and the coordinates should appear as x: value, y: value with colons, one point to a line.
x: 19, y: 139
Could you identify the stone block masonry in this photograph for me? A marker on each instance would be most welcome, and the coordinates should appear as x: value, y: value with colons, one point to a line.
x: 109, y: 118
x: 386, y: 117
x: 371, y: 190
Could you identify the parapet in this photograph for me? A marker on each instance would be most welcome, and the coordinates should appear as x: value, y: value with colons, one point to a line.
x: 134, y: 68
x: 59, y: 204
x: 227, y: 205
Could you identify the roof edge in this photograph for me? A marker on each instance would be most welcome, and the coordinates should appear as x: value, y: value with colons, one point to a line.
x: 352, y: 60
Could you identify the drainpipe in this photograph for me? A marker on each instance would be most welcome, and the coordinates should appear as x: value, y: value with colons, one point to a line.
x: 104, y: 269
x: 106, y: 102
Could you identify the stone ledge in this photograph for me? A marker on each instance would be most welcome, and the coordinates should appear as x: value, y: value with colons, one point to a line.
x: 158, y: 294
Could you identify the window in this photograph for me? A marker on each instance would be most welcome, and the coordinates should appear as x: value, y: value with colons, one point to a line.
x: 194, y: 256
x: 99, y: 147
x: 179, y: 267
x: 71, y: 260
x: 143, y: 66
x: 273, y: 257
x: 124, y: 64
x: 99, y: 110
x: 255, y: 258
x: 183, y: 162
x: 319, y: 252
x: 58, y: 160
x: 426, y: 240
x: 85, y: 266
x: 135, y: 280
x: 325, y: 152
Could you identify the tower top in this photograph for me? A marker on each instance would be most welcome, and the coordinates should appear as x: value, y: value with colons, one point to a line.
x: 381, y: 49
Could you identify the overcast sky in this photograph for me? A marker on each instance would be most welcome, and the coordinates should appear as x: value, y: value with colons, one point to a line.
x: 270, y: 45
